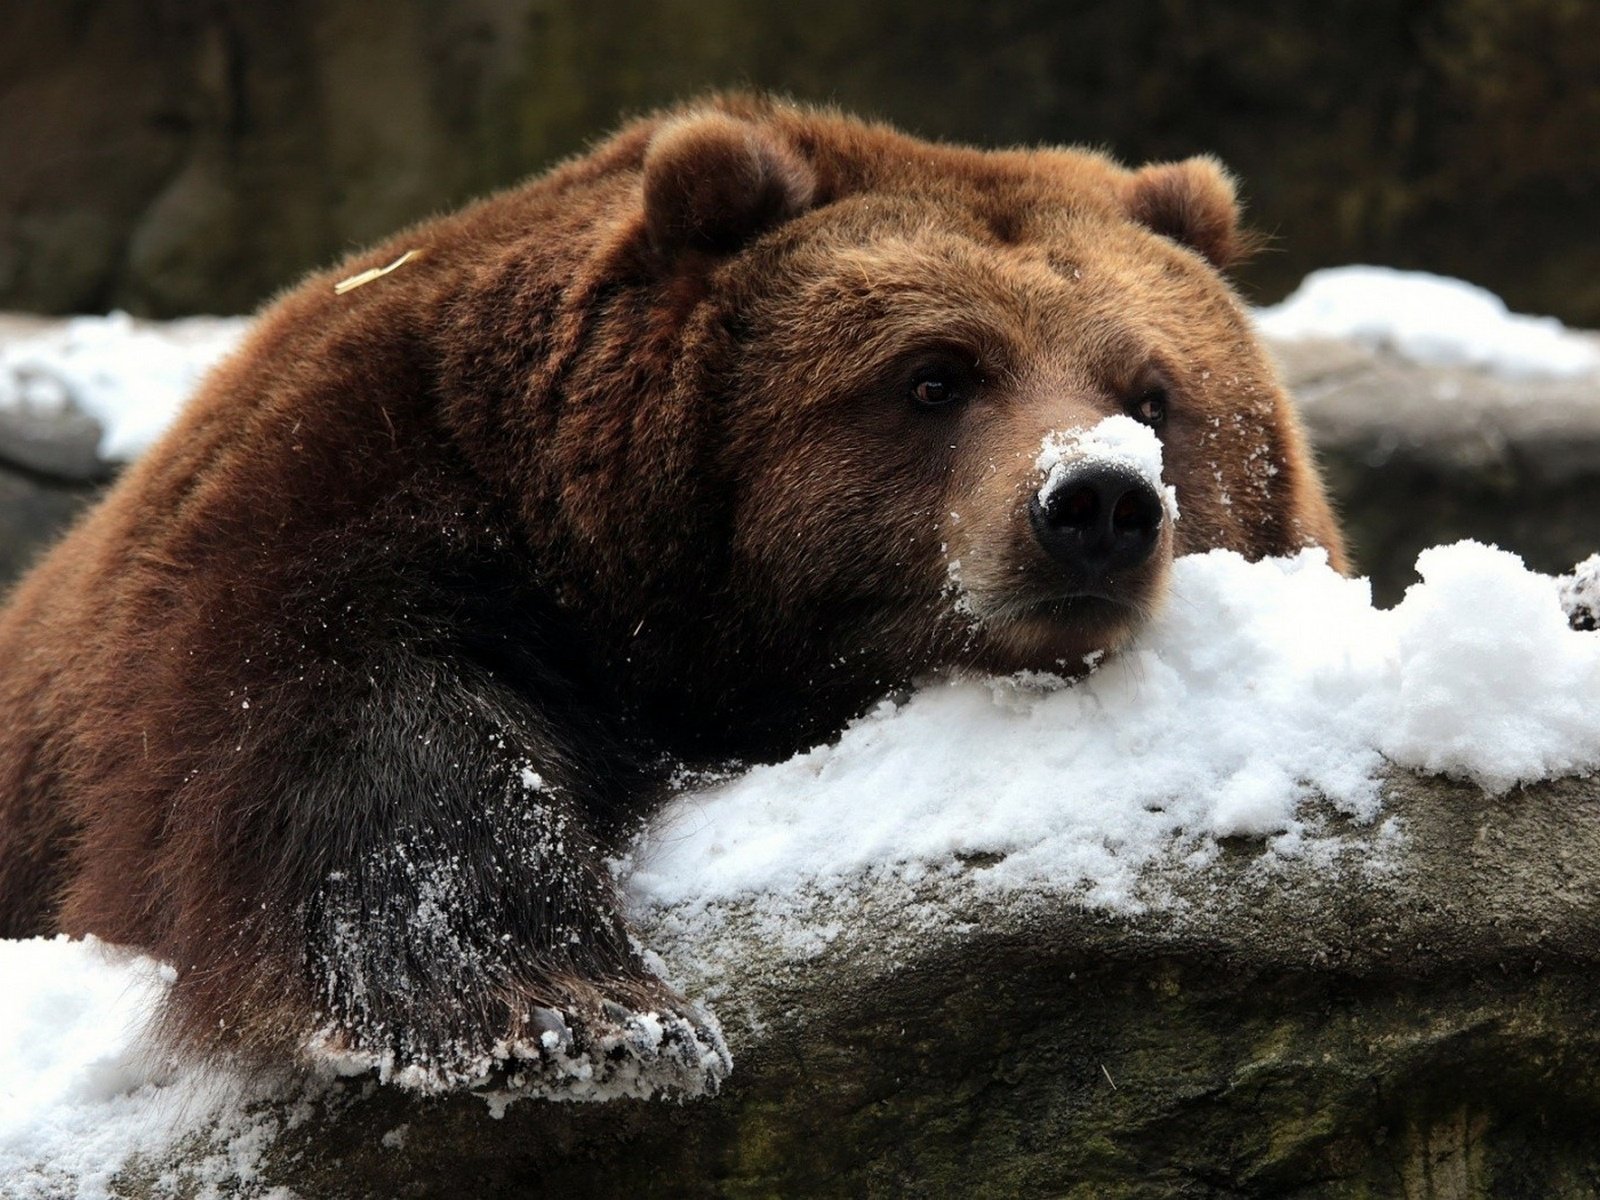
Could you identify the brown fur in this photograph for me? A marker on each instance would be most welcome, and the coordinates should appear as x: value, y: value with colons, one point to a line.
x: 620, y: 468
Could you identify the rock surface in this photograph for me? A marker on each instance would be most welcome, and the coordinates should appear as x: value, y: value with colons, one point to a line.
x: 49, y: 468
x: 1422, y: 455
x: 1414, y: 1015
x: 1411, y: 1016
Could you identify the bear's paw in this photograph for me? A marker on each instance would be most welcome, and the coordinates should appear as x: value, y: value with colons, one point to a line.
x: 607, y: 1051
x: 620, y: 1052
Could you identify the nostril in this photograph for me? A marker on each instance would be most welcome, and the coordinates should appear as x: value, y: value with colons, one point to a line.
x: 1137, y: 511
x: 1078, y: 509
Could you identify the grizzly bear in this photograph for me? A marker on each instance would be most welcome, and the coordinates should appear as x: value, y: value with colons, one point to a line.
x: 342, y: 698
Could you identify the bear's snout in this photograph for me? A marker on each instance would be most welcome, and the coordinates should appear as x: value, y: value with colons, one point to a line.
x: 1098, y: 519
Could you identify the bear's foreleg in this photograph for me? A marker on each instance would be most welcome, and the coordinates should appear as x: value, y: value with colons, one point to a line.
x: 444, y: 895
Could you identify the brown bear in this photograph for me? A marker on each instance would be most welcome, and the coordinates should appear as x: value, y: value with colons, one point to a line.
x: 342, y: 697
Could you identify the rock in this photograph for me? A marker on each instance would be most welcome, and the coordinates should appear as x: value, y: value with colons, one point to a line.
x: 1419, y: 455
x: 50, y: 468
x: 62, y: 446
x: 33, y: 510
x: 54, y: 375
x: 1411, y: 1012
x: 1580, y: 594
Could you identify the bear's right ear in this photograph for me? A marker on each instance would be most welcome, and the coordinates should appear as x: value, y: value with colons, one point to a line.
x: 1193, y: 202
x: 712, y: 182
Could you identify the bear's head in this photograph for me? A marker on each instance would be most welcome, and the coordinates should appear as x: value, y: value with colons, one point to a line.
x: 782, y: 395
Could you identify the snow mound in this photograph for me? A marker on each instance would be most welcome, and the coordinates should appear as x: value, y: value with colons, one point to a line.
x: 1432, y: 320
x: 79, y: 1093
x: 130, y: 376
x: 1258, y: 686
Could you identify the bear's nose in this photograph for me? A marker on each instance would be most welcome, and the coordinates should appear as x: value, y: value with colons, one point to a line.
x: 1100, y: 518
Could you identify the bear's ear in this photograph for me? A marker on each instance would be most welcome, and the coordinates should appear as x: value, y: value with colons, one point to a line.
x: 712, y: 182
x: 1192, y: 202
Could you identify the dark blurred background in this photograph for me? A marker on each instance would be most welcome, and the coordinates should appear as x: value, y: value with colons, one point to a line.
x: 171, y: 157
x: 183, y: 156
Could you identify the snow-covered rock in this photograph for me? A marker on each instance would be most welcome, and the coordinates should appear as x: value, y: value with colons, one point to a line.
x: 1413, y: 1002
x: 1431, y: 320
x: 80, y: 1092
x: 1257, y: 687
x: 129, y: 376
x: 1418, y: 455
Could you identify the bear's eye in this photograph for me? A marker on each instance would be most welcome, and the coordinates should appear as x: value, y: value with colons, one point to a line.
x: 940, y: 386
x: 1150, y: 408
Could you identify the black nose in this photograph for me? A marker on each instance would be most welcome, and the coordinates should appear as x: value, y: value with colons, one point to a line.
x: 1097, y: 520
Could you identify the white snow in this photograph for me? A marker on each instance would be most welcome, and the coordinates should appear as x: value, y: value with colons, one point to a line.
x: 1430, y: 319
x: 79, y: 1095
x: 131, y: 376
x: 1117, y: 441
x: 1258, y: 686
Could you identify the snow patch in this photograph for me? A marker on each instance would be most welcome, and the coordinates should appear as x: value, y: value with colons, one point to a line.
x: 130, y: 376
x: 81, y: 1094
x: 1430, y: 319
x: 1492, y: 684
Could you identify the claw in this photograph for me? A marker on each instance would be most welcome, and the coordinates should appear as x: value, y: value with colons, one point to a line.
x: 553, y: 1031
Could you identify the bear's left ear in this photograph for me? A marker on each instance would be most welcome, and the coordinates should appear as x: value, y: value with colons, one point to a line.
x: 1192, y: 202
x: 712, y: 182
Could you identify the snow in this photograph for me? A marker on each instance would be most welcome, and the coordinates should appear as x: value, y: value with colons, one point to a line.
x: 1259, y: 686
x: 1432, y: 320
x: 131, y: 376
x: 1117, y: 441
x: 79, y: 1093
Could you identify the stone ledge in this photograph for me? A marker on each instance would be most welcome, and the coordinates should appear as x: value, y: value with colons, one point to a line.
x: 1355, y: 396
x: 1413, y: 1015
x: 1419, y: 455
